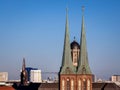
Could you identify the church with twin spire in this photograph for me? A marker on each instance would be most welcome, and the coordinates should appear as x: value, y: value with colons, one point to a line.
x: 75, y: 72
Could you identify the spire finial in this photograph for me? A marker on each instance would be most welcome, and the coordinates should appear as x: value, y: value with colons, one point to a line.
x: 66, y: 10
x: 67, y: 3
x: 74, y: 38
x: 83, y: 8
x: 23, y: 65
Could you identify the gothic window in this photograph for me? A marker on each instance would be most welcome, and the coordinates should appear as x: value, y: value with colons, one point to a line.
x: 74, y: 52
x: 68, y: 70
x: 68, y: 84
x: 75, y: 47
x: 63, y: 84
x: 79, y: 84
x: 75, y: 55
x: 72, y: 84
x: 75, y: 60
x: 84, y: 84
x: 88, y: 84
x: 83, y: 70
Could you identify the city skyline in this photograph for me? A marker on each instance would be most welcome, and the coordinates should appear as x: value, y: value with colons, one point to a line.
x: 35, y: 30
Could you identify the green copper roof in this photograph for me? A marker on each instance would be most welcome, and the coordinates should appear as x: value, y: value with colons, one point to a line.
x: 83, y: 65
x: 67, y: 67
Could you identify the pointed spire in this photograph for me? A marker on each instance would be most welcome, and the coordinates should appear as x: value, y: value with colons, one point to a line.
x: 24, y: 75
x: 67, y: 67
x: 83, y: 67
x: 23, y: 65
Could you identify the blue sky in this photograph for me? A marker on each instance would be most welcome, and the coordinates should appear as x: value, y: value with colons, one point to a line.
x: 34, y: 29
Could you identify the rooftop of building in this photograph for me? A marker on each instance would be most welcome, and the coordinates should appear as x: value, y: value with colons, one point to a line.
x: 6, y: 88
x: 74, y: 44
x: 55, y: 86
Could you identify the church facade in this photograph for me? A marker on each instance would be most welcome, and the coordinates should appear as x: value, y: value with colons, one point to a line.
x: 75, y: 73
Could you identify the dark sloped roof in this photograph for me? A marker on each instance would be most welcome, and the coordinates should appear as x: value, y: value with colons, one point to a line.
x: 74, y: 44
x: 112, y: 85
x: 55, y: 86
x: 105, y: 86
x: 98, y: 85
x: 49, y: 85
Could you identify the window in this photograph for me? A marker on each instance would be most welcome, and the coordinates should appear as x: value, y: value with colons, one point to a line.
x: 84, y: 84
x: 72, y: 84
x: 75, y: 55
x: 79, y: 84
x: 63, y: 84
x: 88, y: 84
x: 75, y: 60
x: 68, y: 70
x: 83, y: 70
x: 68, y: 84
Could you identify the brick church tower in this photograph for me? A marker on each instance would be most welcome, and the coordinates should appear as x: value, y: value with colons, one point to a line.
x: 24, y: 75
x: 75, y: 73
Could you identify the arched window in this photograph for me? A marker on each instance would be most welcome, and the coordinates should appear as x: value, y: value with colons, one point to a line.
x: 79, y: 84
x: 63, y: 84
x: 68, y: 84
x: 84, y: 84
x: 83, y: 70
x: 88, y: 84
x: 72, y: 84
x: 68, y: 70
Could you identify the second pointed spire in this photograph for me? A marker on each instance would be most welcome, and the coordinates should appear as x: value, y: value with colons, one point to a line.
x: 67, y: 67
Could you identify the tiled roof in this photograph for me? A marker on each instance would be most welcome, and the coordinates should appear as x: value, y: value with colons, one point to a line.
x: 49, y: 85
x: 112, y: 85
x: 105, y: 86
x: 55, y: 86
x: 98, y: 85
x: 6, y: 88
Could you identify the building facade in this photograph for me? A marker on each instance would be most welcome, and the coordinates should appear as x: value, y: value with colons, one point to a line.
x: 28, y: 69
x: 3, y: 76
x: 75, y: 73
x: 115, y: 78
x: 35, y: 76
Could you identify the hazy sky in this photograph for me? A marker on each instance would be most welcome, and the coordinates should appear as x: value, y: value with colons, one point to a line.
x: 34, y: 29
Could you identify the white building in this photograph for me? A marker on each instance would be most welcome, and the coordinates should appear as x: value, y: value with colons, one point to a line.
x: 115, y: 78
x: 3, y: 76
x: 35, y: 76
